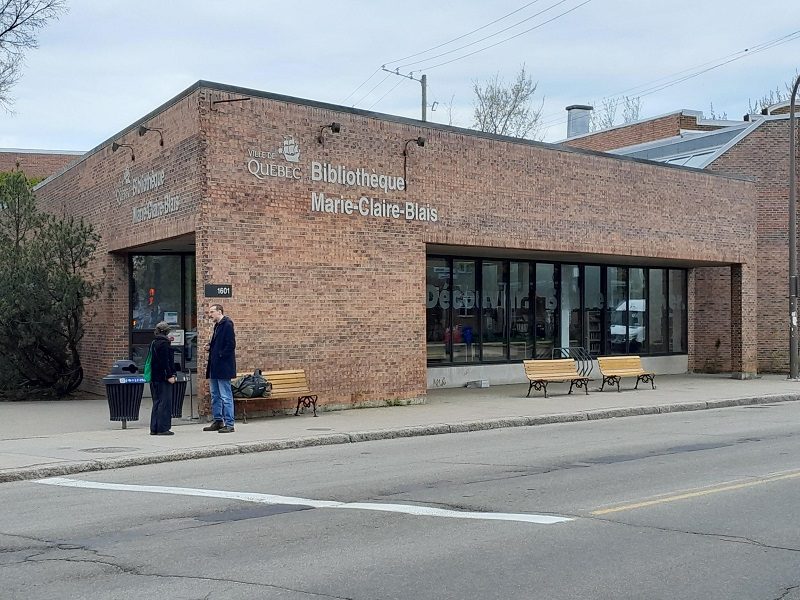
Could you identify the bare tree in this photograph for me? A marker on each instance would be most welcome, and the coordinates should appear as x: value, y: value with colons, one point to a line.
x: 773, y: 97
x: 631, y: 110
x: 507, y: 109
x: 606, y: 116
x: 19, y: 22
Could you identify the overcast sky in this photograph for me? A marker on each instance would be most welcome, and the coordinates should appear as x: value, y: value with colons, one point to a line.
x: 107, y: 63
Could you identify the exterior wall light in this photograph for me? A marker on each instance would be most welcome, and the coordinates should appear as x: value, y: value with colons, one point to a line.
x: 143, y: 130
x: 334, y: 127
x: 115, y: 146
x: 419, y: 141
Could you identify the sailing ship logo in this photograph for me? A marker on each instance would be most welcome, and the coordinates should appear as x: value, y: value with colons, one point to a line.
x: 290, y: 149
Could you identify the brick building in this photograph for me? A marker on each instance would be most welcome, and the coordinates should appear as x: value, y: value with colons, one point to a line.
x: 757, y: 148
x: 387, y: 256
x: 36, y: 164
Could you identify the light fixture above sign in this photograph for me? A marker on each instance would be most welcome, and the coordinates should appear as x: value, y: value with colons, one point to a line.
x: 116, y: 146
x: 334, y: 127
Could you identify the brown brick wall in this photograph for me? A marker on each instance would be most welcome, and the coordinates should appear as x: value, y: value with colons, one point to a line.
x: 89, y: 190
x: 764, y: 156
x: 639, y: 133
x: 343, y: 295
x: 36, y: 165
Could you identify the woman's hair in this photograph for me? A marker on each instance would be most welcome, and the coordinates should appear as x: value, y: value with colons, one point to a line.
x: 163, y: 327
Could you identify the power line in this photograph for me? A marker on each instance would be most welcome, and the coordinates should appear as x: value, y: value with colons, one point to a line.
x: 386, y: 94
x: 363, y: 83
x: 466, y: 34
x: 483, y: 39
x: 558, y: 16
x: 377, y: 85
x: 667, y: 81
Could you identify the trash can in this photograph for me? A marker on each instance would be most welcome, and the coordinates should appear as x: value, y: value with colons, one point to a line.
x: 178, y: 392
x: 124, y: 388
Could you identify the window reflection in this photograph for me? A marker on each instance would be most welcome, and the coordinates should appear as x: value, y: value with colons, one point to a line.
x: 463, y: 334
x: 524, y: 309
x: 494, y: 304
x: 437, y: 309
x: 545, y: 309
x: 521, y: 332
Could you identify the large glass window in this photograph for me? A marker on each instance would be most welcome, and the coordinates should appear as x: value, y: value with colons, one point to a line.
x: 437, y: 309
x: 494, y: 304
x: 570, y: 306
x: 520, y: 307
x: 496, y: 310
x: 657, y: 312
x: 677, y: 310
x: 545, y: 309
x: 593, y: 310
x: 463, y: 335
x: 617, y: 307
x: 637, y: 311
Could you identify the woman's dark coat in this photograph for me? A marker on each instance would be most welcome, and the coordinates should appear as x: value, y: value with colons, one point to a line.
x: 222, y: 351
x: 162, y: 364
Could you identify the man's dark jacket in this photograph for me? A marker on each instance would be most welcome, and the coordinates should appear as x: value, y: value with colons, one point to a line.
x: 162, y: 365
x: 222, y: 351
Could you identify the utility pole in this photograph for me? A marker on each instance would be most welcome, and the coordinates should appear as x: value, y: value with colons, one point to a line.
x: 423, y: 80
x: 794, y: 365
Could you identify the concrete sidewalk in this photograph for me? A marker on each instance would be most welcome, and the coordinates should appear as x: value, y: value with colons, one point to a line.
x: 49, y: 438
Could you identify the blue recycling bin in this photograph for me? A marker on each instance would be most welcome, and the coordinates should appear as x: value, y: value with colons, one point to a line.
x: 124, y: 389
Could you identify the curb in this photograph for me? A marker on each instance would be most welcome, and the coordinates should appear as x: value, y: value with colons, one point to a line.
x: 72, y: 468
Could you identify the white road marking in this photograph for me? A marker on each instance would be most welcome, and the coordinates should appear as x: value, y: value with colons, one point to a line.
x: 423, y: 511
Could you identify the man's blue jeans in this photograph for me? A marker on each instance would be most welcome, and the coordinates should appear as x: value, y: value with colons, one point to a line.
x: 221, y: 401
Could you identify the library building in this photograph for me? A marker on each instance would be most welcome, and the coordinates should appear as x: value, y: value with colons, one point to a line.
x: 387, y: 256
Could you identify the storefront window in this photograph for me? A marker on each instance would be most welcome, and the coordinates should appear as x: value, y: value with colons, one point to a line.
x: 521, y: 346
x: 593, y: 309
x: 677, y: 310
x: 570, y: 306
x: 545, y: 310
x: 617, y: 307
x: 438, y: 309
x: 495, y: 310
x: 657, y: 312
x: 637, y: 312
x: 494, y: 304
x: 463, y: 335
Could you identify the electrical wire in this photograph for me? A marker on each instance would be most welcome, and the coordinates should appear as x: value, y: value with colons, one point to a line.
x: 667, y: 81
x: 558, y: 16
x: 386, y: 94
x: 363, y: 83
x: 483, y: 39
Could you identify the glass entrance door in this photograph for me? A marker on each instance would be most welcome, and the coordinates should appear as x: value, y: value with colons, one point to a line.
x: 162, y: 288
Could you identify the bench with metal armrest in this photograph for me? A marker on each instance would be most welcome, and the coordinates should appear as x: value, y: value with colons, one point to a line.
x: 613, y: 368
x: 542, y: 372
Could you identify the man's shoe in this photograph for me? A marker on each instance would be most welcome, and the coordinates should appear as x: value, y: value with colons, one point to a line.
x: 215, y: 426
x: 165, y: 433
x: 226, y: 429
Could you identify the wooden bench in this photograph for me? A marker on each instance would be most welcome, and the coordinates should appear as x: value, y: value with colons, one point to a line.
x: 613, y: 368
x: 542, y: 372
x: 285, y: 384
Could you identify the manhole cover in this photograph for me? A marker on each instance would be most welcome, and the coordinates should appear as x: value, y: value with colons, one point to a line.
x: 319, y: 429
x: 109, y: 449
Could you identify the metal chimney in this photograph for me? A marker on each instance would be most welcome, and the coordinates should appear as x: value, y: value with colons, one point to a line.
x: 578, y: 119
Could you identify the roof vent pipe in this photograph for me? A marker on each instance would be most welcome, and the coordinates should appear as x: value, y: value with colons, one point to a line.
x: 578, y: 119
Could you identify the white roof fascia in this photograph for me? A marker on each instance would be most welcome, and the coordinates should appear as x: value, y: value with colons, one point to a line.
x: 34, y: 151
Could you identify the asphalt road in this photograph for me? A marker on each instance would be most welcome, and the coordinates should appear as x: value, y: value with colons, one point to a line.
x: 688, y: 505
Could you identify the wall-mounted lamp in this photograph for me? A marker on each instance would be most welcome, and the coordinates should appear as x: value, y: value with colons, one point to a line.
x: 143, y: 130
x: 419, y: 141
x: 334, y: 127
x: 115, y: 146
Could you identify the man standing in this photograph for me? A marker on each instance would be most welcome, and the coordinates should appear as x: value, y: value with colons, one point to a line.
x: 221, y: 368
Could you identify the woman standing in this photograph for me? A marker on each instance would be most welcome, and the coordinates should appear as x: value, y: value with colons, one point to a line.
x: 162, y: 368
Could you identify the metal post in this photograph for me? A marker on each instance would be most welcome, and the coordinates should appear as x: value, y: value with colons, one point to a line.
x: 794, y: 364
x: 424, y: 81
